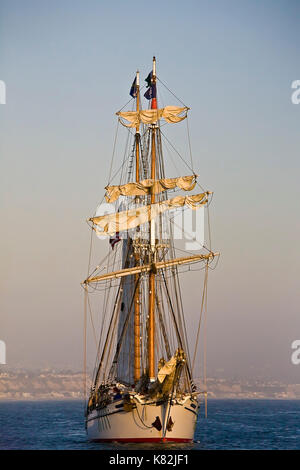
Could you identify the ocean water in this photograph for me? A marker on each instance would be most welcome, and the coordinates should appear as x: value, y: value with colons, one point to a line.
x: 231, y: 424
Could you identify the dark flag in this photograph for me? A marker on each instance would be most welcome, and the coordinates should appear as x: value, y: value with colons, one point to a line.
x: 149, y: 79
x: 115, y: 239
x: 133, y: 89
x: 151, y: 91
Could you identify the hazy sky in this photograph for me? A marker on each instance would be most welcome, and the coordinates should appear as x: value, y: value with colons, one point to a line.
x: 68, y: 67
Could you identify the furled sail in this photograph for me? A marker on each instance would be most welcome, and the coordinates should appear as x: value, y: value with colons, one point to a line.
x: 170, y: 114
x: 125, y: 220
x: 149, y: 186
x: 167, y: 369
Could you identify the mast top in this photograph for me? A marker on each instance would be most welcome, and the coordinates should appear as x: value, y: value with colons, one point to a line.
x: 154, y: 67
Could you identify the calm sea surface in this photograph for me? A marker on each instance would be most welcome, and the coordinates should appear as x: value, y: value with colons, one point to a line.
x: 231, y: 424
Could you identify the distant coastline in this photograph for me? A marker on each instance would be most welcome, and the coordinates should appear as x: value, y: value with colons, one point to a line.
x: 53, y: 385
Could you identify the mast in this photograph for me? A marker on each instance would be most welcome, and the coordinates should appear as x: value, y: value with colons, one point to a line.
x: 151, y: 324
x: 137, y: 327
x: 137, y: 134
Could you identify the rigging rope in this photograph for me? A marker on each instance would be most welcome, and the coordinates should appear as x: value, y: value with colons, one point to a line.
x: 204, y: 351
x: 113, y: 153
x: 187, y: 165
x: 107, y: 337
x: 92, y: 321
x: 125, y: 325
x: 179, y: 339
x: 203, y: 307
x: 106, y: 303
x: 189, y: 140
x: 85, y: 349
x: 171, y: 92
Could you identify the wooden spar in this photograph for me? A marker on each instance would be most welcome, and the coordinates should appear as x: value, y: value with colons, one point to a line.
x: 148, y: 267
x: 137, y: 327
x: 151, y: 322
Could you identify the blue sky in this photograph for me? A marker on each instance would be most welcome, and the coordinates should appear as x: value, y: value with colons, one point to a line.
x: 68, y: 67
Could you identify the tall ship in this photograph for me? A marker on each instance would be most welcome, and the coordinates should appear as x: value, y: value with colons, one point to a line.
x: 142, y: 389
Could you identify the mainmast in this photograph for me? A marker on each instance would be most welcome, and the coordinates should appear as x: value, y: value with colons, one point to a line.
x: 137, y: 327
x: 151, y: 324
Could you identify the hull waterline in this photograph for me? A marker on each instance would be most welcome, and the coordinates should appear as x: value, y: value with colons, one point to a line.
x: 144, y: 423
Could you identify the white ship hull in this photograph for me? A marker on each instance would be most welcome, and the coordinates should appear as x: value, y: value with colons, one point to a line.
x: 113, y: 423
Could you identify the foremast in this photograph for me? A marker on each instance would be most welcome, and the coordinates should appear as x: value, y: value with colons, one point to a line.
x: 137, y: 325
x: 151, y: 324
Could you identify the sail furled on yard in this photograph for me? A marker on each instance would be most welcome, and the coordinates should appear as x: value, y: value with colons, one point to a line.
x: 125, y: 220
x: 167, y: 369
x: 150, y: 186
x: 170, y: 114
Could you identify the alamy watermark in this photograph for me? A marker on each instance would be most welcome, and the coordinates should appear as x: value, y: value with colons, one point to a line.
x: 2, y: 92
x: 295, y: 96
x: 2, y: 352
x: 295, y: 357
x: 180, y: 224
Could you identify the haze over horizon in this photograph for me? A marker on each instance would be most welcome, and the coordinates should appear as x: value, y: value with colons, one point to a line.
x: 68, y: 67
